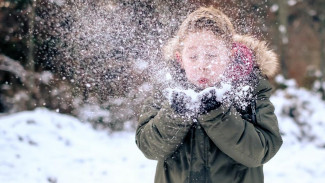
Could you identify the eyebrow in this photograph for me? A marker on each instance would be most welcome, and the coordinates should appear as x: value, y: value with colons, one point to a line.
x: 192, y: 47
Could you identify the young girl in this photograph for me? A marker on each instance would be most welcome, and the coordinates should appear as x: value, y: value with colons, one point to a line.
x: 226, y: 138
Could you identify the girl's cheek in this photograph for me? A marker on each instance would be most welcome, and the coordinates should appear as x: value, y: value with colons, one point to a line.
x: 192, y: 74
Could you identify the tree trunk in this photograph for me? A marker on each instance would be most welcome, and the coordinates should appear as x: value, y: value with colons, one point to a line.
x: 30, y: 65
x: 30, y: 44
x: 283, y: 35
x: 322, y: 57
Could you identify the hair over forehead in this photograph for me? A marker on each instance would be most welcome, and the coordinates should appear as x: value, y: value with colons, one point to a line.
x: 204, y: 18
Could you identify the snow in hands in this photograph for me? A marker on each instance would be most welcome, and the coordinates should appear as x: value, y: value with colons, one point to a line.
x: 193, y: 99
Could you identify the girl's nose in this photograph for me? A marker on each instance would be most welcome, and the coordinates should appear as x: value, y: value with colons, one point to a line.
x: 203, y: 67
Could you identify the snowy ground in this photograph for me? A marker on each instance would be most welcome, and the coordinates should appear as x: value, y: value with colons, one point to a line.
x: 45, y: 146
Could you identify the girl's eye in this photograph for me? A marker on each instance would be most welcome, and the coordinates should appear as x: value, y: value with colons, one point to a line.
x: 193, y: 57
x: 211, y: 56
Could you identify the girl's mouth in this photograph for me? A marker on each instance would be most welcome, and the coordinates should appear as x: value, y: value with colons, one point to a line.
x: 203, y: 80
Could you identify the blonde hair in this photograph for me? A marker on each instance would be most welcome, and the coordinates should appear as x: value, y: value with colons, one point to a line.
x: 203, y: 18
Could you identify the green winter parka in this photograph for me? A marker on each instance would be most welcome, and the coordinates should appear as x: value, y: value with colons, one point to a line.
x: 219, y: 146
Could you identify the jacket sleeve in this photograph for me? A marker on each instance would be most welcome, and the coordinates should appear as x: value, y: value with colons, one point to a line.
x: 160, y: 130
x: 247, y: 144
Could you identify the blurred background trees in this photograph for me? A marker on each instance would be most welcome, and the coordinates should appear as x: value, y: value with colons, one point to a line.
x: 101, y: 57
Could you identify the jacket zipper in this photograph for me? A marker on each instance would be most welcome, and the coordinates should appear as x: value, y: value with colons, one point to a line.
x: 253, y: 106
x: 191, y: 148
x: 206, y: 151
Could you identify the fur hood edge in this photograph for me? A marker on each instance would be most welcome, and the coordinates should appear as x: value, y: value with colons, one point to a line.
x: 266, y: 59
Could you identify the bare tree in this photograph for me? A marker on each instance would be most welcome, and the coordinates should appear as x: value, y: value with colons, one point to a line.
x: 30, y: 66
x: 283, y: 34
x: 322, y: 46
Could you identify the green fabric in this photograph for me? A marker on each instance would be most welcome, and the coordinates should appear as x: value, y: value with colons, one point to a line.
x: 160, y: 130
x: 220, y: 147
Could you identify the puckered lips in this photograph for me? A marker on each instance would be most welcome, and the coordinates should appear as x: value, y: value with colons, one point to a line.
x: 203, y: 80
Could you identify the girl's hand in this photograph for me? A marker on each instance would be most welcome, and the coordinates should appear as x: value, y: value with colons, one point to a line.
x: 179, y: 100
x: 209, y: 102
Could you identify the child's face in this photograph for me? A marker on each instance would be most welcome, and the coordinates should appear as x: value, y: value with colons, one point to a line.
x: 204, y: 58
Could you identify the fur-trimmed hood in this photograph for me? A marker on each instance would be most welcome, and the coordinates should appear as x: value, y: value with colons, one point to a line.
x: 265, y: 58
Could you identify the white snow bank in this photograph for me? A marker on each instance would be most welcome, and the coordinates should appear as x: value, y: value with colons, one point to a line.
x: 44, y: 146
x: 299, y: 163
x: 301, y: 114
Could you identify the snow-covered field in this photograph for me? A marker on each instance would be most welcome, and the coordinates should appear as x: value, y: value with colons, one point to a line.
x: 45, y: 146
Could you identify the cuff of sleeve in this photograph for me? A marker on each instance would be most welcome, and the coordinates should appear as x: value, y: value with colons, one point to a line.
x: 168, y: 115
x: 215, y: 115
